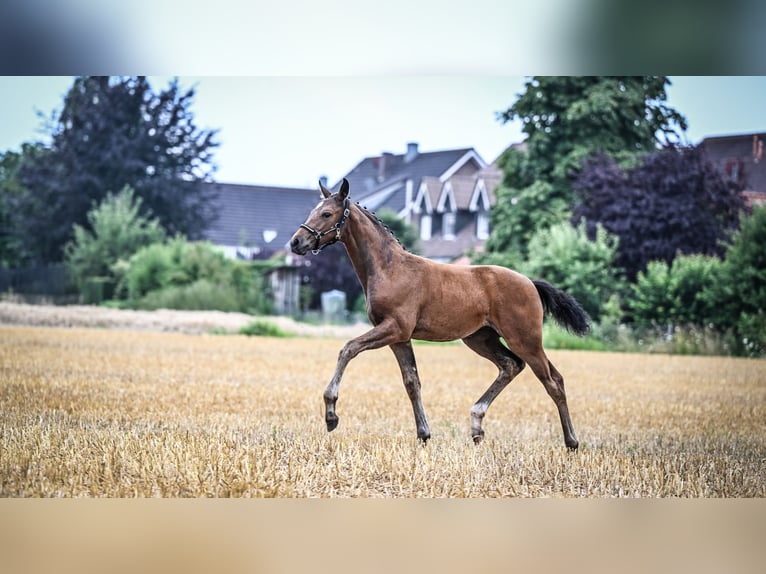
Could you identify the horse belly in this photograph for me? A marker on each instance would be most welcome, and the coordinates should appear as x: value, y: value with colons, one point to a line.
x: 447, y: 320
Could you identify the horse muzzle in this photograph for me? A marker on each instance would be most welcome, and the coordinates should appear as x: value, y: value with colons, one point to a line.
x: 301, y: 242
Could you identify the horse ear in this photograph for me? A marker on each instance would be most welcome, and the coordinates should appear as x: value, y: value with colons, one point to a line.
x: 343, y: 193
x: 325, y: 192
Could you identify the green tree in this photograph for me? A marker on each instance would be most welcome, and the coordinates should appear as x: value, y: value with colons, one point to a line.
x: 584, y: 268
x: 566, y: 120
x: 13, y: 252
x: 116, y: 230
x: 738, y: 296
x: 518, y: 215
x: 110, y: 133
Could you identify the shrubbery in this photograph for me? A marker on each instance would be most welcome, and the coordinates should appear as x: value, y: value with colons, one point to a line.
x: 696, y: 304
x: 563, y: 255
x: 709, y: 298
x: 117, y: 230
x: 263, y: 329
x: 676, y: 294
x: 191, y: 275
x: 125, y: 256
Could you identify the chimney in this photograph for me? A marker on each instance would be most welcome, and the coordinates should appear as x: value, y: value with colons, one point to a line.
x: 412, y: 152
x: 382, y: 160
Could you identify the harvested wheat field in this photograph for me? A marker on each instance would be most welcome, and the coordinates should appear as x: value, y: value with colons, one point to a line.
x: 101, y: 413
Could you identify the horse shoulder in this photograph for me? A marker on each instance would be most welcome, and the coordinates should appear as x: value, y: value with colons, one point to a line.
x: 397, y: 292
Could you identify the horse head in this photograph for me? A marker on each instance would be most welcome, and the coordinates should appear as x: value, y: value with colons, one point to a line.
x: 324, y: 224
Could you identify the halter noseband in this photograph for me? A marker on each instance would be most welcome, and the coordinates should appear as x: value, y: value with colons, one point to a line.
x: 336, y: 228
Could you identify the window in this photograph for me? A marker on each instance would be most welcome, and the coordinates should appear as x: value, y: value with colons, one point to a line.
x: 448, y: 225
x: 734, y: 168
x: 425, y: 227
x: 482, y: 225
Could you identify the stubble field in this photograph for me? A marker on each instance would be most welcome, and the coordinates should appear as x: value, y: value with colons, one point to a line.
x: 102, y: 413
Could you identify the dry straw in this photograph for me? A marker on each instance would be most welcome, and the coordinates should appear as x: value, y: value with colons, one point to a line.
x: 124, y: 414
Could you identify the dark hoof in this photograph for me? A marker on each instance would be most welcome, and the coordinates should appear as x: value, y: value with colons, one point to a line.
x: 423, y: 439
x: 573, y: 447
x: 477, y: 438
x: 332, y: 423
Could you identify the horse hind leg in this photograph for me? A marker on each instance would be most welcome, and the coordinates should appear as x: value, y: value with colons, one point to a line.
x: 486, y: 343
x: 553, y: 382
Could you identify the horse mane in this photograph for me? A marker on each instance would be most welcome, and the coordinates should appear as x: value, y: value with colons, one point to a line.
x: 379, y: 224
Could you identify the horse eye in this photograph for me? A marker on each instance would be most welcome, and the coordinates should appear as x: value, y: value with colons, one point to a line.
x: 327, y: 215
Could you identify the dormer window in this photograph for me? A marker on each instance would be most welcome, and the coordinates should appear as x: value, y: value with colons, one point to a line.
x: 448, y: 225
x: 425, y: 227
x: 482, y: 225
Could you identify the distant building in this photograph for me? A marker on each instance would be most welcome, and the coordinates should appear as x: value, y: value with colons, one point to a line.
x: 742, y: 157
x: 447, y: 195
x: 257, y: 221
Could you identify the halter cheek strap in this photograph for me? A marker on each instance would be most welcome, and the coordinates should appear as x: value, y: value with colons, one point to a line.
x: 336, y: 228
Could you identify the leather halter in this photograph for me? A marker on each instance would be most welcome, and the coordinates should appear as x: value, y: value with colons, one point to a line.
x: 336, y: 228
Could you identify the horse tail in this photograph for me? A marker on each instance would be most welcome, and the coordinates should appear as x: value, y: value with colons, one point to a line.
x: 565, y: 309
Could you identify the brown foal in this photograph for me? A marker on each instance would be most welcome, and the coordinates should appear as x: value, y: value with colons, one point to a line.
x: 410, y: 297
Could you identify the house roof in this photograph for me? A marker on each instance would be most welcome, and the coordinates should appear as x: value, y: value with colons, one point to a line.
x: 747, y: 148
x: 427, y: 194
x: 380, y: 181
x: 256, y: 215
x: 433, y: 194
x: 461, y: 187
x: 265, y: 217
x: 492, y: 177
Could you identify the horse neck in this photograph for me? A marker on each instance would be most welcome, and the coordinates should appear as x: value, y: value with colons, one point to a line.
x: 369, y: 245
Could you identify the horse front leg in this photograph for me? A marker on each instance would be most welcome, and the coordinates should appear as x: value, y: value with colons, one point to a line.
x: 381, y: 335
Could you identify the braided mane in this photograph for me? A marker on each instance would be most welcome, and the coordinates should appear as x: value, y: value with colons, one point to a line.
x: 376, y: 220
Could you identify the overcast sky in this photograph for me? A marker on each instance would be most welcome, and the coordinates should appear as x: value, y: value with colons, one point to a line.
x: 288, y: 131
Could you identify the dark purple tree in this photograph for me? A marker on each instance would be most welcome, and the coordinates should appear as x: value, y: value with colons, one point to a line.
x: 674, y: 201
x: 331, y: 269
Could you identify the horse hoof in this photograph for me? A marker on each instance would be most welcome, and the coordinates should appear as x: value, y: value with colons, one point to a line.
x: 332, y: 424
x: 477, y: 438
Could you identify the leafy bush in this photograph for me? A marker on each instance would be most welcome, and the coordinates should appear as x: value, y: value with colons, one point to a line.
x: 689, y: 277
x: 650, y: 300
x: 554, y: 337
x: 263, y: 329
x: 192, y: 275
x: 148, y: 270
x: 117, y: 231
x: 198, y: 296
x: 584, y: 268
x: 674, y: 295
